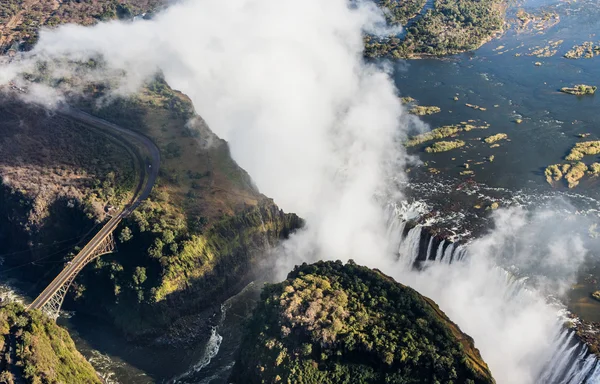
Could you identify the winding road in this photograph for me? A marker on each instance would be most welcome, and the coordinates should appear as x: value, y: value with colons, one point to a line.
x: 148, y: 176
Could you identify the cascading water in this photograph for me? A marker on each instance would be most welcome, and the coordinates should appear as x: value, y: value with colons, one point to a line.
x: 569, y: 362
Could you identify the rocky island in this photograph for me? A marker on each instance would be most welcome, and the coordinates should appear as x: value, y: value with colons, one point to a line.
x: 331, y: 322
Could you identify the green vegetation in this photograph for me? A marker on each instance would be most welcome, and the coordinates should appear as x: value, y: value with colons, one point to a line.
x: 335, y: 323
x: 36, y: 350
x: 443, y: 146
x: 580, y: 90
x: 587, y: 50
x: 407, y: 100
x: 555, y: 172
x: 494, y: 138
x: 572, y: 173
x: 399, y: 12
x: 586, y: 148
x: 452, y: 26
x: 443, y: 132
x: 575, y: 173
x: 21, y: 20
x: 546, y: 51
x: 594, y: 169
x: 197, y: 237
x: 528, y: 22
x: 195, y: 240
x: 424, y: 110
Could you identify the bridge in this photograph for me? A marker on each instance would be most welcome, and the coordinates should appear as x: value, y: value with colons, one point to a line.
x: 51, y: 298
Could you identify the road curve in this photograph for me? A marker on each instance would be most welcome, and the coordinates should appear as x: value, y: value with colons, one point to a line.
x: 150, y: 173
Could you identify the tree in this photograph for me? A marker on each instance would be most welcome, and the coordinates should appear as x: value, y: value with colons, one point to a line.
x: 139, y: 276
x: 125, y: 235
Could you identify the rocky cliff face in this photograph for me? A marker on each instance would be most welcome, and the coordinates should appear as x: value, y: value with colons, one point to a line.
x: 35, y: 350
x: 335, y: 323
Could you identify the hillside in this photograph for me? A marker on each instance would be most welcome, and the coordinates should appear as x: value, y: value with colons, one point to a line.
x: 35, y: 350
x: 196, y: 241
x: 335, y: 323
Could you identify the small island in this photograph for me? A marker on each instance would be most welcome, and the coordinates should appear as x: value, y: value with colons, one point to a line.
x: 580, y: 90
x: 443, y: 132
x: 585, y: 148
x: 596, y: 295
x: 494, y: 138
x: 420, y: 110
x: 444, y: 146
x: 335, y: 323
x: 572, y: 173
x: 586, y: 50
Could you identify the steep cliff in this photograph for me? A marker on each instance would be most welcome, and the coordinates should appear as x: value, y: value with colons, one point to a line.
x: 335, y: 323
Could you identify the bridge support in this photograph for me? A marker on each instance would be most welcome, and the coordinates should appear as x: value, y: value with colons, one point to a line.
x: 52, y: 306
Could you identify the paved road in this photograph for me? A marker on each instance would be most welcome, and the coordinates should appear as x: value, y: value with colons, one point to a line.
x: 149, y: 175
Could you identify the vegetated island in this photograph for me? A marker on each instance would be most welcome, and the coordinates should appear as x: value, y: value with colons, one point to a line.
x: 421, y: 110
x: 587, y: 50
x: 580, y: 90
x: 495, y: 138
x: 443, y: 132
x: 535, y: 22
x: 575, y: 171
x: 36, y: 350
x: 331, y: 322
x: 451, y: 26
x: 444, y: 146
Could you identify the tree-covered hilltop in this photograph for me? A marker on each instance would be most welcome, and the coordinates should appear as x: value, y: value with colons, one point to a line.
x: 36, y: 350
x: 335, y: 323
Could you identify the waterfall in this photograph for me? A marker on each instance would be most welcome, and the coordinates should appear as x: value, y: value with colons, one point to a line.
x: 409, y: 247
x: 569, y: 360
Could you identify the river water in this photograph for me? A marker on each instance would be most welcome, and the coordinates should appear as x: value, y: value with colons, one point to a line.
x: 500, y: 77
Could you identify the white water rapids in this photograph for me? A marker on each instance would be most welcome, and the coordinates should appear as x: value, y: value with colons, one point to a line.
x: 569, y: 361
